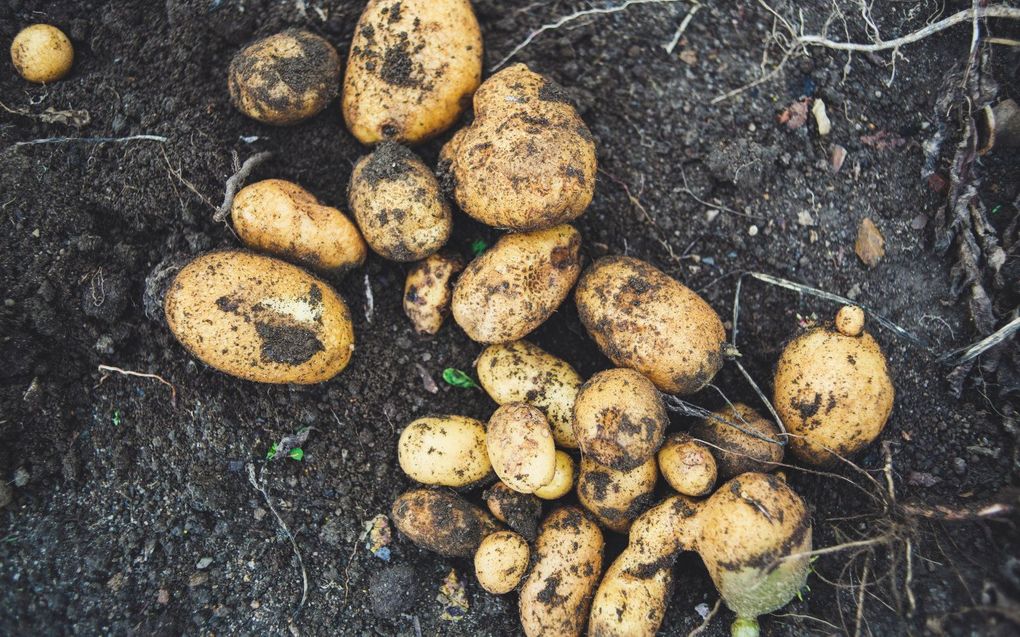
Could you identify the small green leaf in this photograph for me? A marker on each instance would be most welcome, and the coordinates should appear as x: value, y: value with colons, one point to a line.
x: 478, y: 246
x: 297, y: 453
x: 272, y: 452
x: 458, y: 378
x: 116, y: 418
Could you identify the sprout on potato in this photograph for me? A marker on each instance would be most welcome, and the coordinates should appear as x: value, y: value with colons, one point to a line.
x: 615, y: 497
x: 501, y: 561
x: 41, y: 53
x: 444, y: 450
x: 740, y: 450
x: 442, y: 522
x: 687, y: 465
x: 521, y: 447
x: 427, y: 292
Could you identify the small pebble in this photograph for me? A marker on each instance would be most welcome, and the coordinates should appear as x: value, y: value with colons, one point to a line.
x: 753, y: 231
x: 203, y: 563
x: 20, y: 477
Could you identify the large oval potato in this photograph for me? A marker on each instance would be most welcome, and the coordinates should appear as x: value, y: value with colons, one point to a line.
x: 614, y: 497
x: 643, y: 319
x: 521, y: 447
x: 516, y: 285
x: 259, y: 318
x: 442, y: 522
x: 501, y: 561
x: 427, y: 292
x: 738, y: 451
x: 413, y: 67
x: 444, y: 450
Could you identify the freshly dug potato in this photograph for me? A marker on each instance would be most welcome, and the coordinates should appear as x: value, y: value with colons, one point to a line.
x: 427, y: 292
x: 41, y: 53
x: 833, y: 392
x: 284, y: 78
x: 738, y: 452
x: 521, y: 447
x: 527, y: 161
x: 555, y: 597
x: 442, y: 522
x: 396, y: 200
x: 259, y: 318
x: 522, y: 372
x: 563, y: 479
x: 687, y: 465
x: 501, y: 561
x: 643, y: 319
x: 520, y: 511
x: 619, y: 419
x: 413, y: 67
x: 444, y: 450
x: 516, y: 285
x: 614, y: 497
x: 282, y: 218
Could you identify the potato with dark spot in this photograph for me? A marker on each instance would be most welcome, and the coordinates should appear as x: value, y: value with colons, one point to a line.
x: 427, y: 292
x: 41, y: 53
x: 521, y: 447
x: 643, y: 319
x: 501, y: 561
x: 563, y: 478
x: 444, y: 450
x: 442, y: 522
x: 259, y: 318
x: 284, y: 78
x: 614, y: 497
x: 520, y: 511
x: 741, y: 450
x: 687, y: 465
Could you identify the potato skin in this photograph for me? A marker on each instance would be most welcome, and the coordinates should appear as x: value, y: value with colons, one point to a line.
x: 412, y: 68
x: 517, y: 284
x: 521, y: 447
x: 527, y: 161
x: 687, y: 465
x: 444, y: 450
x: 259, y: 318
x: 284, y: 78
x: 520, y: 511
x: 735, y: 451
x: 442, y: 522
x: 427, y: 292
x: 501, y: 561
x: 614, y: 497
x: 282, y: 218
x: 42, y: 53
x: 396, y: 201
x: 643, y: 319
x: 522, y: 372
x: 563, y: 479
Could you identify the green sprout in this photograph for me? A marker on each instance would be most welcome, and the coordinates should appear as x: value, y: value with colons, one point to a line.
x: 458, y: 378
x: 478, y: 246
x: 297, y: 453
x: 116, y: 418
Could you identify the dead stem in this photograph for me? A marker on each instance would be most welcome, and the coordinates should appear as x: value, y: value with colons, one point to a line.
x: 106, y: 369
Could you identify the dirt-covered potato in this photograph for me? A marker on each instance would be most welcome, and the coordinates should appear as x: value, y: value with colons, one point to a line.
x: 444, y: 450
x: 555, y: 598
x: 412, y: 69
x: 643, y: 319
x: 282, y: 218
x: 442, y: 522
x: 522, y: 372
x: 521, y: 447
x: 516, y: 285
x: 738, y: 451
x: 527, y: 161
x: 42, y: 53
x: 427, y: 292
x: 833, y: 392
x: 501, y: 561
x: 259, y: 318
x: 619, y: 419
x: 687, y: 465
x: 284, y: 78
x: 563, y: 479
x: 614, y: 497
x: 520, y: 511
x: 396, y: 201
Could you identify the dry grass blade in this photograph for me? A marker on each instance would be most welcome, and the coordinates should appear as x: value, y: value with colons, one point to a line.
x: 107, y: 369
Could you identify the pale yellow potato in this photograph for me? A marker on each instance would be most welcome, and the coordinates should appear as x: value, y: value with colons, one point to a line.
x: 396, y: 201
x: 259, y: 318
x: 521, y: 372
x: 41, y: 53
x: 412, y: 69
x: 284, y: 78
x: 850, y: 320
x: 444, y: 450
x: 521, y: 447
x: 427, y: 292
x: 563, y: 479
x: 643, y: 319
x: 282, y: 218
x: 442, y: 522
x: 515, y: 285
x: 527, y: 161
x: 501, y: 561
x: 687, y: 465
x: 520, y: 511
x: 738, y: 451
x: 615, y: 497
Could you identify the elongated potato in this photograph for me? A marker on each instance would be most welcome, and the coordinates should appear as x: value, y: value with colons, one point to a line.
x: 413, y: 67
x: 427, y: 292
x: 521, y: 447
x: 520, y: 511
x: 643, y: 319
x: 517, y: 284
x: 687, y: 465
x: 442, y: 522
x: 739, y: 451
x: 522, y: 372
x: 563, y: 479
x: 501, y: 561
x: 444, y: 450
x: 259, y: 318
x: 614, y: 497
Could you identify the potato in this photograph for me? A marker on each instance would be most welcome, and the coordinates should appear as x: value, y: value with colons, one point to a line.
x: 522, y: 372
x: 619, y: 419
x: 555, y: 598
x: 444, y: 450
x: 643, y: 319
x: 427, y: 292
x: 396, y: 201
x: 41, y: 53
x: 520, y: 511
x: 833, y: 393
x: 563, y: 479
x: 442, y: 522
x: 736, y: 451
x: 687, y: 465
x: 501, y: 561
x: 516, y: 285
x: 413, y: 67
x: 521, y: 447
x: 614, y: 497
x: 259, y: 318
x: 284, y: 78
x: 282, y: 218
x: 527, y: 161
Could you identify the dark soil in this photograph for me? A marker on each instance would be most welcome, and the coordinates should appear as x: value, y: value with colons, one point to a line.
x: 133, y: 513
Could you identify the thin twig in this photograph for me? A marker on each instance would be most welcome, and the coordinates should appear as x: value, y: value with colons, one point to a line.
x: 707, y: 620
x: 91, y: 140
x: 859, y: 623
x: 686, y: 22
x: 965, y: 354
x: 106, y: 369
x: 235, y: 181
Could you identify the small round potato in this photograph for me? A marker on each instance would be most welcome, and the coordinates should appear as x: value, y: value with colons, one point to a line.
x: 516, y: 285
x: 522, y: 372
x: 614, y: 497
x: 442, y: 522
x: 41, y: 53
x: 427, y: 292
x: 521, y: 447
x: 501, y: 561
x: 737, y: 451
x: 284, y: 78
x: 643, y: 319
x: 396, y: 201
x: 619, y: 419
x: 259, y: 318
x: 520, y: 511
x: 850, y: 320
x: 563, y: 479
x: 444, y: 450
x: 282, y: 218
x: 687, y: 465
